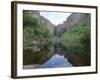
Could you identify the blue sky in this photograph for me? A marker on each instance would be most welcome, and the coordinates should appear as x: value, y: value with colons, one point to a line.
x: 55, y: 17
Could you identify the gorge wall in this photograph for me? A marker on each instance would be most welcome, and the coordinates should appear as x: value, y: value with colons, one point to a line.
x: 73, y: 19
x: 42, y: 21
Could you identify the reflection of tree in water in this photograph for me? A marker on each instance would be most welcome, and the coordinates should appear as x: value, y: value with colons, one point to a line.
x: 32, y: 58
x: 73, y: 58
x: 39, y: 57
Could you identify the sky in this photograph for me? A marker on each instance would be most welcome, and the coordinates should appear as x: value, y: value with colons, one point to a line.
x: 55, y: 17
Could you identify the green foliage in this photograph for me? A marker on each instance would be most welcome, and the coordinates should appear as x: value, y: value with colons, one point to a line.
x: 33, y: 31
x: 29, y: 20
x: 28, y: 35
x: 77, y: 38
x: 55, y: 39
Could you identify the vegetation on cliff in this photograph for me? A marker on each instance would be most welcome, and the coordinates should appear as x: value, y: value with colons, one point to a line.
x: 77, y: 38
x: 35, y: 35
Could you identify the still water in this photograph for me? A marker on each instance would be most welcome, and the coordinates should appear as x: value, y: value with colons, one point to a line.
x: 57, y: 61
x: 59, y: 56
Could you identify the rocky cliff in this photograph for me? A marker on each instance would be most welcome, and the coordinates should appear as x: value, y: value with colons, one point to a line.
x: 46, y: 23
x: 76, y: 18
x: 59, y: 29
x: 73, y: 19
x: 43, y: 21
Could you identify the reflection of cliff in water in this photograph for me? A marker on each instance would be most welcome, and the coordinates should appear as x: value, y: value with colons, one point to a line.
x: 57, y: 56
x: 30, y: 57
x: 73, y: 58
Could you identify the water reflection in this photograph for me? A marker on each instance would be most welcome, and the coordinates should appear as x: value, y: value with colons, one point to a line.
x: 57, y: 61
x: 74, y: 58
x: 56, y: 56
